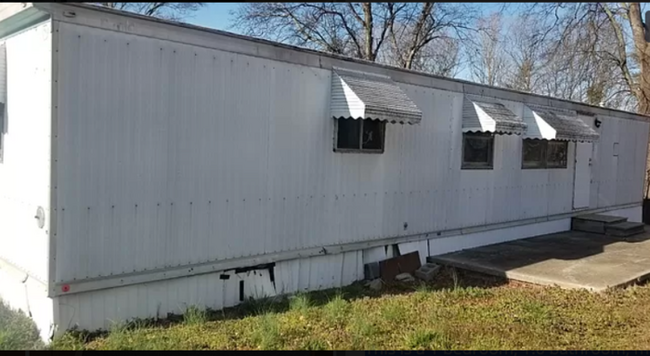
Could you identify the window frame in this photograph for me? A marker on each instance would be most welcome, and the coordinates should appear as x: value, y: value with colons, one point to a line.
x: 487, y: 136
x: 545, y: 161
x: 382, y: 130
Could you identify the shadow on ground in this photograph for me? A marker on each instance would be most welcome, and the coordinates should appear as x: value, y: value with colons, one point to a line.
x: 570, y: 259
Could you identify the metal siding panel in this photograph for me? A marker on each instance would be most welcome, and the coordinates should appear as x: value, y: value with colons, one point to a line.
x: 228, y: 156
x: 26, y: 151
x: 101, y: 309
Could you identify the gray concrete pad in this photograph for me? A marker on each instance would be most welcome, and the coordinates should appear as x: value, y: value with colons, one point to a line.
x: 572, y: 259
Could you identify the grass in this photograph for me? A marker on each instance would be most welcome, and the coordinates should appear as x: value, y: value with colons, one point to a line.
x: 457, y: 311
x: 17, y: 331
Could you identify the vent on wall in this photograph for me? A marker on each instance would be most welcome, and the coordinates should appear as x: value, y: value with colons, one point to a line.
x: 615, y: 149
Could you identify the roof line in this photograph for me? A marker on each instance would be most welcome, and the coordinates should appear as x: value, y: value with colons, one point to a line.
x: 332, y: 55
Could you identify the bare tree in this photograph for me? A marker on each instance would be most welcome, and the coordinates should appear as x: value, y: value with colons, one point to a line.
x: 397, y: 33
x: 617, y: 59
x: 165, y: 10
x: 487, y: 60
x: 439, y: 57
x: 602, y: 46
x: 418, y: 28
x: 528, y: 52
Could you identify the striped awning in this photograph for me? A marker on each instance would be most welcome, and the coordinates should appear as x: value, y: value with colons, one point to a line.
x: 361, y: 95
x: 488, y: 115
x: 557, y: 124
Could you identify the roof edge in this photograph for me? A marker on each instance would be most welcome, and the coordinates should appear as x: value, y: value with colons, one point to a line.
x: 329, y: 60
x: 16, y: 17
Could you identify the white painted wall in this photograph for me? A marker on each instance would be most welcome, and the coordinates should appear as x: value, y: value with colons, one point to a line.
x: 25, y: 176
x: 25, y: 165
x: 618, y: 179
x: 178, y: 155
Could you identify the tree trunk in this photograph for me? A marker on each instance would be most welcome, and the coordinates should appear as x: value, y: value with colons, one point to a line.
x: 367, y: 9
x: 642, y: 89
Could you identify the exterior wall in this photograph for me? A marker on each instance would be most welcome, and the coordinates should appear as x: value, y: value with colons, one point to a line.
x: 618, y: 179
x: 25, y: 162
x: 211, y: 156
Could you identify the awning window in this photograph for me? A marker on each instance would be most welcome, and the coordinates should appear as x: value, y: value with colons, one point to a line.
x: 556, y: 124
x: 361, y: 95
x: 488, y: 115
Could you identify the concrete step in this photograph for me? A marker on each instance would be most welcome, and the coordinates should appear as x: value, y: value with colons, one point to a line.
x: 624, y: 229
x: 595, y: 223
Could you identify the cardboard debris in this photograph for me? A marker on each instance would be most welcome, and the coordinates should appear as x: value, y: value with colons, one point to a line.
x: 407, y: 263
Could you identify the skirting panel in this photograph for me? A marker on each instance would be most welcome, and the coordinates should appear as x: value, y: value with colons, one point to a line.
x: 100, y: 309
x: 632, y: 214
x: 462, y: 242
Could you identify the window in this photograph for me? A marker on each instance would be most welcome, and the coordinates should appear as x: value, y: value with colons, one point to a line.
x: 360, y: 135
x: 478, y: 149
x: 533, y: 153
x: 544, y: 154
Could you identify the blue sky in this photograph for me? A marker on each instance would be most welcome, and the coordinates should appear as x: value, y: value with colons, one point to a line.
x: 217, y: 15
x: 214, y: 15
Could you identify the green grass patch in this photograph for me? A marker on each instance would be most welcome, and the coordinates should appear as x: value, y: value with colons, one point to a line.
x: 195, y: 316
x: 17, y: 331
x: 267, y: 333
x: 457, y: 311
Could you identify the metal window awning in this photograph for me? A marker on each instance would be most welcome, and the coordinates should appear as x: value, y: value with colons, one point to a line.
x: 556, y: 124
x: 361, y: 95
x: 488, y: 115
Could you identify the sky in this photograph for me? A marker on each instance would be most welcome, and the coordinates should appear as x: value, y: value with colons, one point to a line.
x: 214, y: 15
x: 217, y: 15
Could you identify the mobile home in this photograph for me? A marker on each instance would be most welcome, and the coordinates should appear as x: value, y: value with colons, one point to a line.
x: 149, y: 165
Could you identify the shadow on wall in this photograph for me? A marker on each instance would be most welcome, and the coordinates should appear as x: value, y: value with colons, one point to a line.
x: 17, y: 331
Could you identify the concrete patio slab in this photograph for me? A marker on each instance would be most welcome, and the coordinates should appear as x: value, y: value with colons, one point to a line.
x: 572, y: 259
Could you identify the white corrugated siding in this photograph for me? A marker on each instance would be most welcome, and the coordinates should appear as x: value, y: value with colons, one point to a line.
x: 172, y: 155
x: 618, y: 179
x: 98, y: 309
x: 25, y: 165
